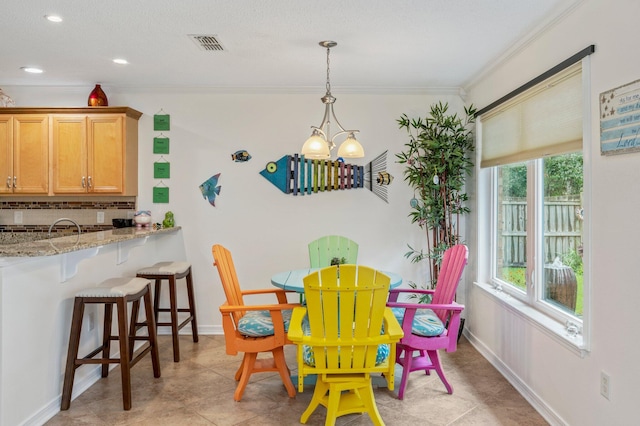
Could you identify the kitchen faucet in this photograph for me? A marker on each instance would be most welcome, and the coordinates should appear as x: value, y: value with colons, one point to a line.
x: 63, y: 219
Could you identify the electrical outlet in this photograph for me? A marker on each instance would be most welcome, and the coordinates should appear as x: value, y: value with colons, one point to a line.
x: 92, y: 321
x: 605, y: 385
x: 100, y: 217
x: 17, y: 217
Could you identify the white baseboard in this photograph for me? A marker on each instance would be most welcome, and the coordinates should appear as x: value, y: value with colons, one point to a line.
x: 53, y: 407
x: 527, y: 393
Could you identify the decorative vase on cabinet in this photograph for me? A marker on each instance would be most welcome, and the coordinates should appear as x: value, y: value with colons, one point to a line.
x: 97, y: 97
x: 5, y: 100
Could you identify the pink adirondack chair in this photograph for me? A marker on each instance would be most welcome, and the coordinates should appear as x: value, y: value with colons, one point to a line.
x: 433, y: 326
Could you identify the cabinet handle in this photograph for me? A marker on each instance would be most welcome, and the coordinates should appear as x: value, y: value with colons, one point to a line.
x: 83, y: 183
x: 15, y: 181
x: 8, y: 181
x: 90, y: 184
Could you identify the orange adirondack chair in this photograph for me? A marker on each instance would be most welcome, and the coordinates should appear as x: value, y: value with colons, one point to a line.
x: 433, y: 326
x: 253, y: 329
x: 344, y: 334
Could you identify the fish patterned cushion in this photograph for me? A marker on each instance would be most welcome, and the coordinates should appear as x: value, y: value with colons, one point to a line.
x: 309, y: 358
x: 259, y: 323
x: 425, y: 323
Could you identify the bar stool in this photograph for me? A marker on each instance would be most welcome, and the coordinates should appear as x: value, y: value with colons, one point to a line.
x: 173, y: 271
x: 118, y: 291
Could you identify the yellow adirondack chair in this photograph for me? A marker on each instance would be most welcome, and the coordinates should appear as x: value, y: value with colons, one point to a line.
x: 344, y: 334
x: 322, y: 250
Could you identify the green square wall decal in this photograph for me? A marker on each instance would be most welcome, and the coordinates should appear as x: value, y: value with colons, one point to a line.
x: 162, y: 170
x: 160, y: 145
x: 161, y: 122
x: 160, y: 195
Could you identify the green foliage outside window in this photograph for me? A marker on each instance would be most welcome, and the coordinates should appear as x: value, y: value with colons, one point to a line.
x: 515, y: 276
x: 562, y: 175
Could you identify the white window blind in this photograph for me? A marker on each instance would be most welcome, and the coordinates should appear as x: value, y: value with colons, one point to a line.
x: 544, y: 120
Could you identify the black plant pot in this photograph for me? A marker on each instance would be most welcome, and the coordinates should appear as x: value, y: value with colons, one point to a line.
x: 461, y: 327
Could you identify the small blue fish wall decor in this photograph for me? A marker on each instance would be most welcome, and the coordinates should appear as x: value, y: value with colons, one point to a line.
x: 294, y: 174
x: 210, y: 189
x: 241, y: 156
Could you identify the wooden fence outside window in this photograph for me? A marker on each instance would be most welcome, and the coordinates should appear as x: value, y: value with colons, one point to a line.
x: 562, y: 229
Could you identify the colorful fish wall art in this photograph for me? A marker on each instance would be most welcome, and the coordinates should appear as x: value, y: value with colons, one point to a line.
x: 241, y: 156
x: 210, y: 189
x: 294, y: 174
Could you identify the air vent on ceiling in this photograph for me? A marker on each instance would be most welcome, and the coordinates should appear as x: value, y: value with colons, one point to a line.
x: 207, y: 42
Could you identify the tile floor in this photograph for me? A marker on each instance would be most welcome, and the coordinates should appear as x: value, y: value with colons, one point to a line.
x: 199, y: 391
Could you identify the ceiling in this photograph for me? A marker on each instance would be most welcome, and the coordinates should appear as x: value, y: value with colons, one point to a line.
x: 401, y: 44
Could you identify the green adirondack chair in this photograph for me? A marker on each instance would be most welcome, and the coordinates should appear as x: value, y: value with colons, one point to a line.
x: 323, y: 250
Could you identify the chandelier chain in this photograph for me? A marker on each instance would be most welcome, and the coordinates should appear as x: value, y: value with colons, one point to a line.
x: 328, y: 63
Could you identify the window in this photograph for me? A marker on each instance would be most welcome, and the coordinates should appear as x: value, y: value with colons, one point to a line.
x: 532, y: 197
x: 538, y: 207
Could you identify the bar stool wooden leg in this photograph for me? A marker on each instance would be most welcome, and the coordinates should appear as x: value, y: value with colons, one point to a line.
x: 106, y: 337
x: 125, y: 369
x: 153, y: 338
x: 156, y: 300
x: 173, y: 307
x: 74, y: 343
x: 133, y: 327
x: 192, y: 306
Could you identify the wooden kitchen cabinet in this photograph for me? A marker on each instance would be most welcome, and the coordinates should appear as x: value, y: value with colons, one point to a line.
x: 108, y: 157
x: 94, y: 154
x: 24, y: 153
x: 81, y: 151
x: 69, y: 164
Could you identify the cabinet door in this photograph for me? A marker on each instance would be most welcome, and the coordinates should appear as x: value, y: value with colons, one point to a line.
x: 31, y: 154
x: 106, y: 153
x: 6, y: 154
x: 69, y: 133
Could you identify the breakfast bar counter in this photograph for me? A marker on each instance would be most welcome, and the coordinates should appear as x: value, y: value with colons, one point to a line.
x: 38, y: 282
x: 75, y: 242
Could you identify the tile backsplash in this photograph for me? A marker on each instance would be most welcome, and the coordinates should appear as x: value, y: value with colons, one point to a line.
x: 36, y: 214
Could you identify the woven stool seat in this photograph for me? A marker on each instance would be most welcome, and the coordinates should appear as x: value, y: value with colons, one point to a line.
x: 171, y: 272
x: 166, y: 268
x: 116, y: 292
x: 115, y: 287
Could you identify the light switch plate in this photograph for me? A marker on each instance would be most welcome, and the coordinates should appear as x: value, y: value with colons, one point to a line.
x: 17, y: 217
x: 100, y: 217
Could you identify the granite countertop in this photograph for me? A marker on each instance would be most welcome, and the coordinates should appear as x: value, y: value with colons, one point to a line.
x: 59, y: 245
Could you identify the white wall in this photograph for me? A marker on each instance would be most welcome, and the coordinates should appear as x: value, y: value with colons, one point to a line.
x: 563, y: 385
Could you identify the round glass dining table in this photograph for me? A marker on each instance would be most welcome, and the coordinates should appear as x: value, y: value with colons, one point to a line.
x: 292, y: 280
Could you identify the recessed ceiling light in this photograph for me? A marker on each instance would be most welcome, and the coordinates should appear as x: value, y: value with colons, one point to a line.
x: 53, y: 18
x: 120, y: 61
x: 32, y: 70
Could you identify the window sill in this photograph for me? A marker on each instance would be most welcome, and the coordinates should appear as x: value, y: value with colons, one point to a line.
x: 549, y: 326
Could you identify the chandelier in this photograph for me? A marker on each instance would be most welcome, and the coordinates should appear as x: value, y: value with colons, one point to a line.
x: 321, y: 142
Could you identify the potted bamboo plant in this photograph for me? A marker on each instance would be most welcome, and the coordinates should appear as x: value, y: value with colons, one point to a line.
x: 437, y: 161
